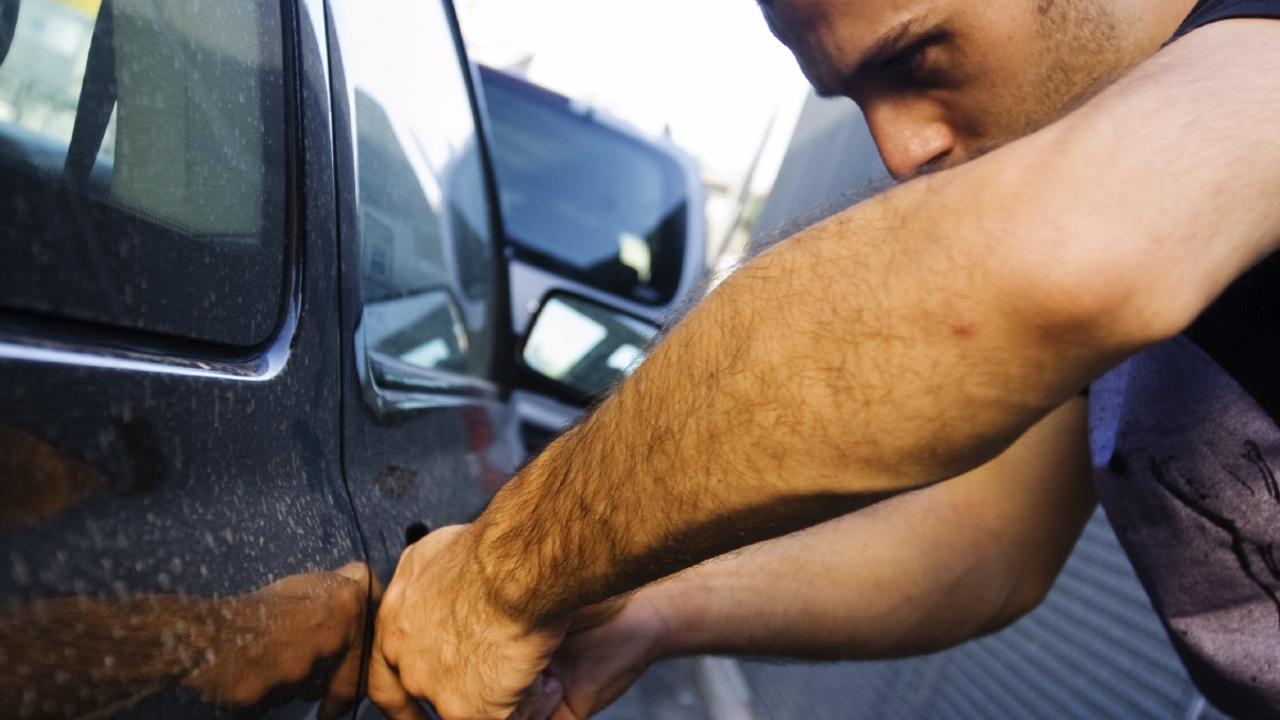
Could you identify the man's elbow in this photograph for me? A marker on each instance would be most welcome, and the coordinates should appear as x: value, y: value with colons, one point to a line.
x: 1088, y: 290
x: 1026, y: 595
x: 1084, y: 264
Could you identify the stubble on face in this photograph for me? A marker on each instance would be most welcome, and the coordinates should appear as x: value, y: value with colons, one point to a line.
x: 1020, y: 64
x: 1082, y: 50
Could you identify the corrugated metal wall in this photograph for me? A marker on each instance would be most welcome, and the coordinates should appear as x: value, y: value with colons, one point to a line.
x: 830, y: 163
x: 1094, y: 649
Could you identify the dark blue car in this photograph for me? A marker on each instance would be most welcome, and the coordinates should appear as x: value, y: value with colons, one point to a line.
x: 261, y: 326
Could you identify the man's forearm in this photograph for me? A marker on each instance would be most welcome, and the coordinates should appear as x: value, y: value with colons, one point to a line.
x: 855, y: 361
x: 877, y: 352
x: 802, y: 596
x: 915, y: 574
x: 905, y: 341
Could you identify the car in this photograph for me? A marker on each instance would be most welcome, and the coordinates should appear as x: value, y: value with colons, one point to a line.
x: 256, y: 335
x: 591, y: 206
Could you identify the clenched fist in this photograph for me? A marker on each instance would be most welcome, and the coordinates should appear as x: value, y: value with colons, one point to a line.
x: 440, y: 638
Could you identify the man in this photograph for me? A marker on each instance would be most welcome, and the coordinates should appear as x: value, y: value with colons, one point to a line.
x: 1079, y: 191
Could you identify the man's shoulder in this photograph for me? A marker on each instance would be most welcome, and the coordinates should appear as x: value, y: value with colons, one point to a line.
x: 1210, y: 11
x: 1241, y: 332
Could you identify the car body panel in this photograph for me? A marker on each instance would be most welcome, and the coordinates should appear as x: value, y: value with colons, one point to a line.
x: 175, y: 508
x: 429, y: 448
x: 190, y: 527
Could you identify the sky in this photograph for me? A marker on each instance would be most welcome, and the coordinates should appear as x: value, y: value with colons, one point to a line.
x: 709, y: 70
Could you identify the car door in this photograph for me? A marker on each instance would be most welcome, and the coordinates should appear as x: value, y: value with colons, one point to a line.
x: 175, y: 535
x: 428, y: 433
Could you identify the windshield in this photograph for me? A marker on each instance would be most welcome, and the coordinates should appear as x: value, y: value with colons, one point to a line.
x: 599, y: 205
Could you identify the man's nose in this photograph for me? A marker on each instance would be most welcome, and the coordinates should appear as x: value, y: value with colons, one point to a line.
x: 910, y: 135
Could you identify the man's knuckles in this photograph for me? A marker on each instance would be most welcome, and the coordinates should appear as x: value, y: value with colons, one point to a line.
x: 456, y: 707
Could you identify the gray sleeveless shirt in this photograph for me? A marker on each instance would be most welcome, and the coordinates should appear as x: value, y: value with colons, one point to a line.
x: 1187, y: 439
x: 1190, y: 487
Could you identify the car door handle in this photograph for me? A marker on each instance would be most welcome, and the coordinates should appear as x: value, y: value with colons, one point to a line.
x: 415, y: 532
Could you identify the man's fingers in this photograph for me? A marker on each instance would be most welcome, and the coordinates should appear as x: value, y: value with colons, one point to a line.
x: 545, y: 702
x: 333, y: 707
x: 388, y: 694
x: 340, y: 695
x: 564, y: 713
x: 362, y: 575
x: 529, y: 704
x: 593, y: 616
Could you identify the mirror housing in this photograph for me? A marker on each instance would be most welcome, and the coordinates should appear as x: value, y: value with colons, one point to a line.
x: 578, y: 349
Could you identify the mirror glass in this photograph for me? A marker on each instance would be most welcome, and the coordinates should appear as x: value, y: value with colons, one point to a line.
x: 585, y: 346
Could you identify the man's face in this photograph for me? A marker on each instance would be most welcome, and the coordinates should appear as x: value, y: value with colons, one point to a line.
x: 942, y: 81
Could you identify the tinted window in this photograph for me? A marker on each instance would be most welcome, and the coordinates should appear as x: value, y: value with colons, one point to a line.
x: 142, y: 178
x: 425, y: 231
x: 591, y: 201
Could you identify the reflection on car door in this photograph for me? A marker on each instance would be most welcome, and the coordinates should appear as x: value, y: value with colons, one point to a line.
x: 175, y: 535
x: 428, y: 434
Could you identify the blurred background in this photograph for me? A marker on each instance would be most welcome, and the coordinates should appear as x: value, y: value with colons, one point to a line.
x: 708, y: 75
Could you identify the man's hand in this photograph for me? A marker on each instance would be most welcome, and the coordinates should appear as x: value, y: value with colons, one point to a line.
x: 440, y: 638
x: 608, y: 647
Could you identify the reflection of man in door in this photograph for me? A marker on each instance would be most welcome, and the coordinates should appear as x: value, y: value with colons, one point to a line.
x: 72, y: 655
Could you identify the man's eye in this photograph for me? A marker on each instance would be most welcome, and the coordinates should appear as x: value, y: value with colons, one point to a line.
x: 918, y: 65
x: 908, y: 65
x: 907, y: 59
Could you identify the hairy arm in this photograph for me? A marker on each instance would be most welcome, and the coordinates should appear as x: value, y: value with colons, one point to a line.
x: 913, y: 337
x: 905, y: 341
x: 916, y: 574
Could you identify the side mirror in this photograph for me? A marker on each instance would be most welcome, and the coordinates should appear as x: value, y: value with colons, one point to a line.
x: 577, y: 348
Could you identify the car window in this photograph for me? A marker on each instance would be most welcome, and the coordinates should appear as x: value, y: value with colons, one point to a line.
x: 142, y: 165
x: 592, y: 202
x: 426, y: 238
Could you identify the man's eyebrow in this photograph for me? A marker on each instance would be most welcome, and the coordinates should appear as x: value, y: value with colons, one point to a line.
x: 891, y: 42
